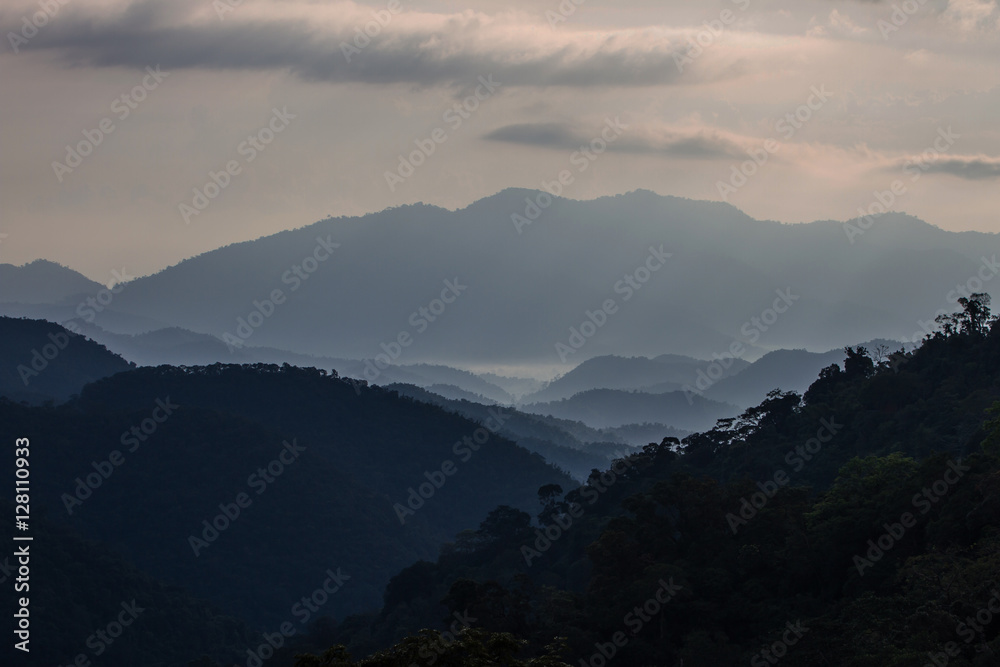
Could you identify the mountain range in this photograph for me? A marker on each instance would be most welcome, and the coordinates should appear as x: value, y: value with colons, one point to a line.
x: 168, y: 413
x: 729, y: 280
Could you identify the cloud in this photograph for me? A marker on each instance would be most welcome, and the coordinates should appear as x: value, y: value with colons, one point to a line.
x: 970, y: 15
x: 316, y: 43
x: 695, y: 143
x: 536, y: 134
x: 973, y: 168
x: 837, y: 23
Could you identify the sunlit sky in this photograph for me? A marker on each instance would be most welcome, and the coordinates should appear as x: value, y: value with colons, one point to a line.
x: 309, y: 113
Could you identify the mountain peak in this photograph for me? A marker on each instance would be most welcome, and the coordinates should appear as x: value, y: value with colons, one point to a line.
x: 42, y: 281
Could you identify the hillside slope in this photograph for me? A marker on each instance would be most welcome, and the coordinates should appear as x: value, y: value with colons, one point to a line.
x: 42, y: 361
x: 190, y: 441
x: 858, y: 525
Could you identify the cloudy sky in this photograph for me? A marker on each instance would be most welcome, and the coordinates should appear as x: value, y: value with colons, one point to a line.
x: 115, y: 112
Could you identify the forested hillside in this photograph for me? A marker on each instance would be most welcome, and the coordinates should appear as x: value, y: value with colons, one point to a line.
x: 248, y: 483
x: 854, y: 526
x: 78, y: 589
x: 41, y: 361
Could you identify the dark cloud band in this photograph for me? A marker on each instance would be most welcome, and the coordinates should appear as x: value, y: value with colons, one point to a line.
x: 146, y: 32
x: 698, y: 145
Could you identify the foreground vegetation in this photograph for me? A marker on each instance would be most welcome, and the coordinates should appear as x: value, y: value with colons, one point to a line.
x: 856, y: 526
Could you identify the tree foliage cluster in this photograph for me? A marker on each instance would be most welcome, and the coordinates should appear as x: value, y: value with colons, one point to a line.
x: 811, y: 548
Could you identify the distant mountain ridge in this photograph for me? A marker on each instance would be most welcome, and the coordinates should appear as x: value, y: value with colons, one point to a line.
x: 42, y: 281
x: 42, y: 361
x: 788, y: 370
x: 610, y: 408
x: 668, y: 372
x: 519, y: 295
